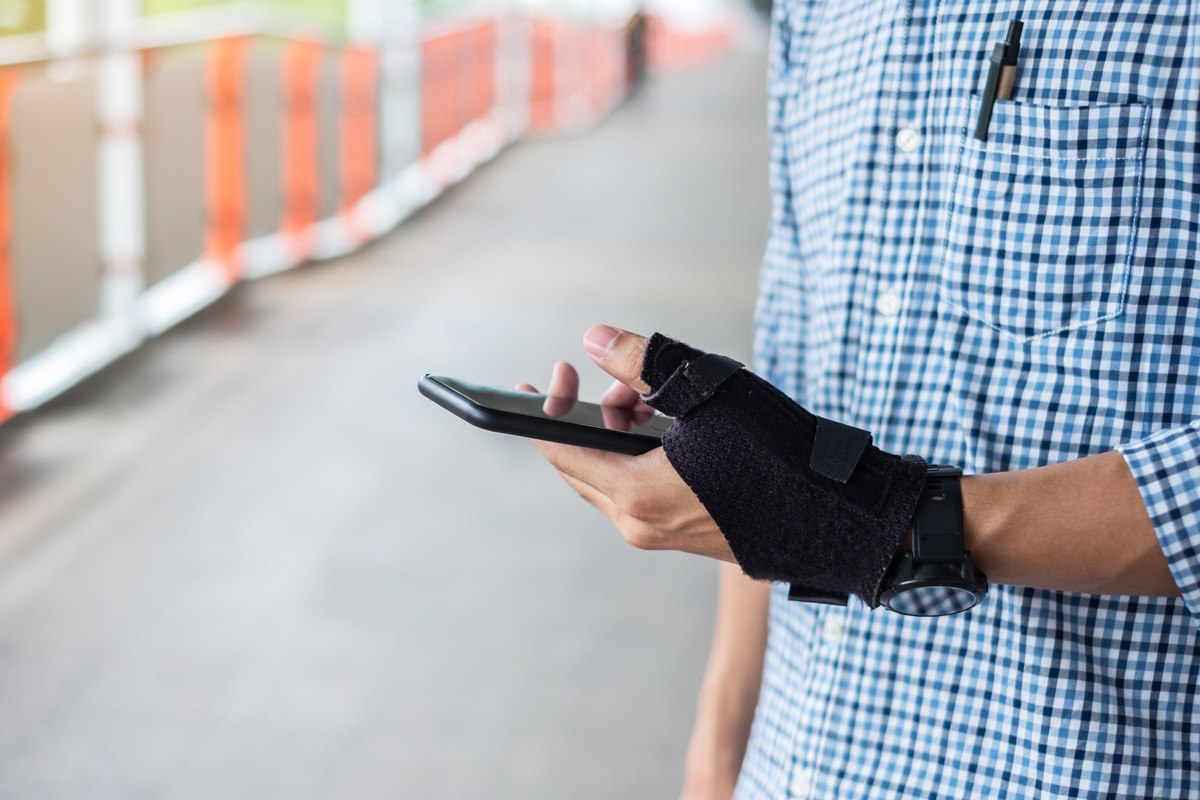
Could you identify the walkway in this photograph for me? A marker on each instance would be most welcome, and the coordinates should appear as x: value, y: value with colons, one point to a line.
x: 249, y: 561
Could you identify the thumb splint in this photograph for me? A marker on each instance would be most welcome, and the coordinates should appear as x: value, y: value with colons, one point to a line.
x: 800, y: 499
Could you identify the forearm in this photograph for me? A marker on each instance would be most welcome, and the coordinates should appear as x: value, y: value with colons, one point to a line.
x: 735, y: 661
x: 1079, y: 526
x: 729, y: 693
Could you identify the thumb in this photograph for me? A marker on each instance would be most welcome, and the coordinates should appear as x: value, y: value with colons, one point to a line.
x: 619, y: 353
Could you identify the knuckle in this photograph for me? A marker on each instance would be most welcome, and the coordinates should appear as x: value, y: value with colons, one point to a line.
x: 638, y: 506
x: 641, y: 536
x: 632, y: 363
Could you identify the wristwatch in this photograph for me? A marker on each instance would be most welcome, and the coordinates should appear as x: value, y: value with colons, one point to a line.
x: 937, y: 576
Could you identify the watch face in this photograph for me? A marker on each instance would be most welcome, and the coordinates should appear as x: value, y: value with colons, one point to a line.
x: 932, y: 601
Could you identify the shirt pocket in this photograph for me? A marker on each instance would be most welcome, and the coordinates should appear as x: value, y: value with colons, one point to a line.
x: 1043, y: 216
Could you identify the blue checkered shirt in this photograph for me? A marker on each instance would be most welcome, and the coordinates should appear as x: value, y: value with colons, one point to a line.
x: 999, y: 306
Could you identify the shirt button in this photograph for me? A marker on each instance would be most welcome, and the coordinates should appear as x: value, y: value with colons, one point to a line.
x: 888, y: 303
x: 833, y: 631
x: 801, y: 784
x: 908, y: 140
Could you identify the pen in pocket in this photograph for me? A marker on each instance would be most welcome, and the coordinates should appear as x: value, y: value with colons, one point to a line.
x: 1002, y: 72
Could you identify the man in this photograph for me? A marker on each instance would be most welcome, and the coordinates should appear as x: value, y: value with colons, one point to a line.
x: 1023, y: 305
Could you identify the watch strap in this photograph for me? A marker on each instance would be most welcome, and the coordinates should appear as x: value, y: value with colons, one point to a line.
x: 938, y: 520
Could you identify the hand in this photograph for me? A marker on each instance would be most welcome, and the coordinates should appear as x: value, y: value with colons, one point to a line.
x: 643, y: 496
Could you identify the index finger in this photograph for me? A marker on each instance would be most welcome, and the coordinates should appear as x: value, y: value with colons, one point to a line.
x: 600, y: 469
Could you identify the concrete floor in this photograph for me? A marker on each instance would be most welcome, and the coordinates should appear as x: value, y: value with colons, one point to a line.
x: 249, y: 561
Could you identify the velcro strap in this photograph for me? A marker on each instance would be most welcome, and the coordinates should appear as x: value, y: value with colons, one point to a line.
x: 803, y: 594
x: 709, y: 371
x: 837, y: 449
x: 693, y: 383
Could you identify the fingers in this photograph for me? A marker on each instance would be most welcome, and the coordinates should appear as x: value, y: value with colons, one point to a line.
x: 588, y: 493
x: 563, y: 391
x: 634, y: 531
x: 564, y: 381
x: 620, y: 395
x: 584, y: 470
x: 597, y: 468
x: 643, y: 497
x: 619, y: 353
x: 632, y: 411
x: 642, y: 414
x: 553, y: 453
x: 617, y: 418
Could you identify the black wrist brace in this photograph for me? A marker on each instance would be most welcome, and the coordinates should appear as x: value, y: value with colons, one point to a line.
x: 800, y: 499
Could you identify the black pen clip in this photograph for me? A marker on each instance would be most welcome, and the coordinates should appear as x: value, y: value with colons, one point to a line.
x: 1002, y: 68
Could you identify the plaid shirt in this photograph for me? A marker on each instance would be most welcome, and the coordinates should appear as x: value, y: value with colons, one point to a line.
x: 998, y: 305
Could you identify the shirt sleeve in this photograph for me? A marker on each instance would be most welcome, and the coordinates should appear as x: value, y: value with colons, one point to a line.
x: 1166, y: 466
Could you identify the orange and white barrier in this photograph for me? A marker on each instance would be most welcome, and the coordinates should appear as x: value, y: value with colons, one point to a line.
x: 673, y: 48
x: 460, y: 124
x: 260, y: 152
x: 8, y: 301
x: 542, y: 115
x: 360, y: 146
x: 301, y: 147
x: 578, y: 75
x: 225, y: 189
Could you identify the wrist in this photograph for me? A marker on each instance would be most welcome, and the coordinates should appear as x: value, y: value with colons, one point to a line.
x: 934, y: 575
x: 984, y: 512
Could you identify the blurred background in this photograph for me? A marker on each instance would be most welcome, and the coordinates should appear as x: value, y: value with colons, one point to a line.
x: 240, y: 557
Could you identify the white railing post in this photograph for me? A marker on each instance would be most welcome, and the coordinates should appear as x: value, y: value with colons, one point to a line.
x: 514, y: 68
x: 366, y: 22
x: 72, y: 27
x: 122, y: 197
x: 397, y: 35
